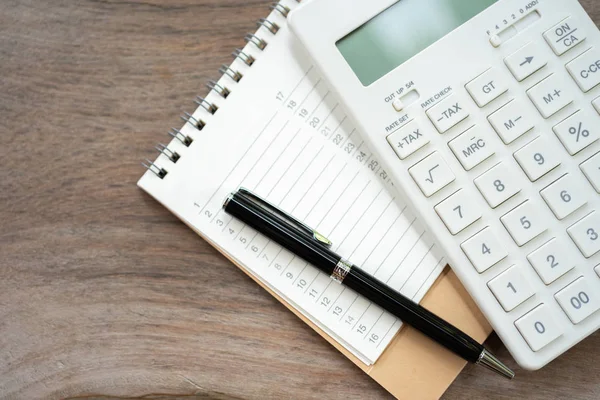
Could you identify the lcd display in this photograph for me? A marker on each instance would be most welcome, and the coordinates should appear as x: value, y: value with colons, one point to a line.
x: 401, y: 32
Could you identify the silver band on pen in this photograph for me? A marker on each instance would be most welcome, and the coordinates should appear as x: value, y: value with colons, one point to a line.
x: 341, y: 270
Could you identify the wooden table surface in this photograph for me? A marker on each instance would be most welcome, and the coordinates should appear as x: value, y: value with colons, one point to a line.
x: 104, y: 293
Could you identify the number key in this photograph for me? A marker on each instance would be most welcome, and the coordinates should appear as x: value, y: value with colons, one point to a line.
x: 578, y: 300
x: 484, y: 250
x: 586, y: 234
x: 537, y: 159
x: 551, y: 261
x: 538, y: 328
x: 458, y: 211
x: 498, y: 184
x: 511, y: 288
x: 564, y: 197
x: 524, y: 223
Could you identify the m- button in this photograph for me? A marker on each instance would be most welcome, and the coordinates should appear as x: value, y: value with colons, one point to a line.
x: 447, y: 113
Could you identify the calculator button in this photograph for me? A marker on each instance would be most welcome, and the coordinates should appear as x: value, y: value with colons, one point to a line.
x: 578, y: 131
x: 564, y: 196
x: 408, y: 139
x: 551, y: 95
x: 585, y: 69
x: 564, y: 36
x: 448, y: 113
x: 484, y: 250
x: 538, y: 327
x: 578, y: 300
x: 597, y: 269
x: 498, y: 184
x: 526, y: 61
x: 524, y: 223
x: 586, y: 234
x: 537, y: 159
x: 472, y: 147
x: 458, y: 211
x: 591, y: 170
x: 487, y: 87
x: 551, y: 261
x: 596, y: 104
x: 511, y: 288
x: 432, y: 174
x: 511, y: 121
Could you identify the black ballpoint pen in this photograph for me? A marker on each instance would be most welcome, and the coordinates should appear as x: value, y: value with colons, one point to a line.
x: 314, y: 248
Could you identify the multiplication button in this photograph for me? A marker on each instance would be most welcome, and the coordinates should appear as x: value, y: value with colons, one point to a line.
x: 408, y: 139
x: 565, y: 35
x: 585, y: 69
x: 551, y: 95
x: 448, y: 112
x: 472, y: 147
x: 511, y: 121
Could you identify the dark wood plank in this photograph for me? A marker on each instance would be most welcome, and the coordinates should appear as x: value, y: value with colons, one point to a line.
x: 105, y: 294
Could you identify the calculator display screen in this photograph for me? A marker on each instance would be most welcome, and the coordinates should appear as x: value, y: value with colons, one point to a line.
x: 401, y: 32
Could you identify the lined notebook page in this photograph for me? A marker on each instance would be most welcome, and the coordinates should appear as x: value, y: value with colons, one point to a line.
x: 282, y: 134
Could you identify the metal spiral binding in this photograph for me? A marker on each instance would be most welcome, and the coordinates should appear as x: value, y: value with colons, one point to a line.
x: 246, y: 58
x: 235, y: 75
x: 255, y: 40
x: 271, y: 26
x: 281, y: 9
x: 196, y: 123
x: 155, y: 169
x: 221, y: 90
x: 163, y: 149
x: 184, y: 139
x: 207, y: 105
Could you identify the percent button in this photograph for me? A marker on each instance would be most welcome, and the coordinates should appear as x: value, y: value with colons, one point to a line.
x: 578, y: 131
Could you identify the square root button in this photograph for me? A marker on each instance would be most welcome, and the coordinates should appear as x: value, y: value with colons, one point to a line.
x: 448, y: 112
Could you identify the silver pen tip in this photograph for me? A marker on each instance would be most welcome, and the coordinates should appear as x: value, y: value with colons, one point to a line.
x: 490, y: 361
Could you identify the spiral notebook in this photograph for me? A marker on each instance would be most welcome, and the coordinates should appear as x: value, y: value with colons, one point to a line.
x: 270, y: 124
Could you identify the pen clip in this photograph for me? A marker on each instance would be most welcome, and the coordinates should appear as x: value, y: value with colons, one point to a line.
x: 300, y: 226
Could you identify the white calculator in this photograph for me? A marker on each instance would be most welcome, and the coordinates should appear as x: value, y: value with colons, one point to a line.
x: 486, y: 113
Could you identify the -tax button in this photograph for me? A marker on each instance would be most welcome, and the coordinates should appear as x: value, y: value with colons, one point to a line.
x: 448, y: 113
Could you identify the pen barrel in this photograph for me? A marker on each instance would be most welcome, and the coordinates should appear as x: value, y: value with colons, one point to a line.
x: 281, y: 233
x: 413, y: 314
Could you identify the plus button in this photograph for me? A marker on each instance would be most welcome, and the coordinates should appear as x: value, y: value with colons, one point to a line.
x: 557, y: 92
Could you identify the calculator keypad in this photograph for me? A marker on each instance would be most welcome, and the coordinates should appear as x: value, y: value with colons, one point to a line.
x: 534, y: 290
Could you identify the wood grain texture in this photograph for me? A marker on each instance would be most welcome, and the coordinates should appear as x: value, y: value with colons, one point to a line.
x: 103, y: 293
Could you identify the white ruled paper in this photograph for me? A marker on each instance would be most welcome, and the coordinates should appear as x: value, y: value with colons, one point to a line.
x: 282, y: 134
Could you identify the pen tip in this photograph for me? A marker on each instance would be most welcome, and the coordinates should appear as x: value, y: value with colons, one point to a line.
x: 490, y: 361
